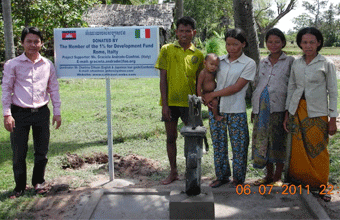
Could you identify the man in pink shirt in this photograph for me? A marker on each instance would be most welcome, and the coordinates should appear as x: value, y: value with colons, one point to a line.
x: 29, y: 82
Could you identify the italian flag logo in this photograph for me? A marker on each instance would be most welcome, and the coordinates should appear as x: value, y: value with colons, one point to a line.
x: 142, y: 33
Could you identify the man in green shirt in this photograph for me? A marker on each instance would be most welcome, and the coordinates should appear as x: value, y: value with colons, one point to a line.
x: 179, y: 64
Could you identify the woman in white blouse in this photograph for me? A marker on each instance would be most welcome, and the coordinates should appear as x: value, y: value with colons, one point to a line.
x: 235, y: 71
x: 268, y: 101
x: 312, y: 106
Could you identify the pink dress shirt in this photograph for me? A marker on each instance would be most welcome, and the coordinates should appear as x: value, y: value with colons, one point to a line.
x: 29, y: 84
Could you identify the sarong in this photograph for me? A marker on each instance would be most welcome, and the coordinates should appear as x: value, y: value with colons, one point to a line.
x: 269, y: 137
x: 309, y: 159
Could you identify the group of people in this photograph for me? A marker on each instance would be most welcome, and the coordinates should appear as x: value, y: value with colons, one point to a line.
x: 295, y: 98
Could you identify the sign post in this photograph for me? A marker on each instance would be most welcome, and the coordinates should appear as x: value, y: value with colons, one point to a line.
x: 109, y: 128
x: 113, y: 52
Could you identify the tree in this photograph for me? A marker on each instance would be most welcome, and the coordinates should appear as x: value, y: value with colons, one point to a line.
x: 179, y: 9
x: 216, y: 19
x: 303, y: 20
x: 325, y: 20
x: 8, y: 29
x: 315, y: 8
x: 265, y: 18
x: 244, y: 19
x: 47, y: 15
x: 330, y: 27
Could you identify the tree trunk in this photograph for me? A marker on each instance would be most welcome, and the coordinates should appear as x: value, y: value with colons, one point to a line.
x: 179, y: 9
x: 261, y: 39
x: 8, y: 29
x: 244, y: 19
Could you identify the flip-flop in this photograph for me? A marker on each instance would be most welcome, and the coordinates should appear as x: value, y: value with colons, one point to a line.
x: 17, y: 194
x: 326, y: 197
x: 262, y: 181
x: 218, y: 183
x: 278, y: 183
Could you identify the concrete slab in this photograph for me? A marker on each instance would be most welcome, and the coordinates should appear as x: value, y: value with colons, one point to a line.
x: 132, y: 204
x: 230, y: 205
x: 183, y: 206
x: 314, y: 206
x: 141, y: 203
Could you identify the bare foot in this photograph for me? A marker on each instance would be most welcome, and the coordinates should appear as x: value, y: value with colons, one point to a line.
x: 171, y: 178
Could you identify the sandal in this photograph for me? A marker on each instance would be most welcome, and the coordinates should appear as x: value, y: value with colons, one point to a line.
x: 218, y: 183
x: 40, y: 188
x: 278, y: 183
x: 17, y: 194
x: 326, y: 197
x: 262, y: 181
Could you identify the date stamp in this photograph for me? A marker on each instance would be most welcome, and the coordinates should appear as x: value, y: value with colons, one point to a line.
x: 286, y: 189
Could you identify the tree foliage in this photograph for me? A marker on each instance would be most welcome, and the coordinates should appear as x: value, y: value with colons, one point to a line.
x: 326, y: 20
x: 315, y: 8
x: 46, y: 15
x: 330, y: 27
x: 213, y: 15
x: 266, y: 18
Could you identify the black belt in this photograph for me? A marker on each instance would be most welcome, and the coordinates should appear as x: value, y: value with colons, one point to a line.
x: 15, y: 108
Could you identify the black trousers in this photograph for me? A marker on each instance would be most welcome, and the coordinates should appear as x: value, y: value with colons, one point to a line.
x: 39, y: 120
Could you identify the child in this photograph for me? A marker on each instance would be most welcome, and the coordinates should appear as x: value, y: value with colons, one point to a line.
x: 206, y: 82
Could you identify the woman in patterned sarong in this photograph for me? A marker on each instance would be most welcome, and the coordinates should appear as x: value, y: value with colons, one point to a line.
x: 312, y: 97
x: 268, y: 101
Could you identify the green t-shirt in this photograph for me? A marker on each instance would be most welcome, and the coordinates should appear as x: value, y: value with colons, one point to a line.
x: 182, y: 69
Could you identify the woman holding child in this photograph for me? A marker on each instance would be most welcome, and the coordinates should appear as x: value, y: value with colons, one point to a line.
x: 312, y: 106
x: 234, y: 73
x: 268, y: 101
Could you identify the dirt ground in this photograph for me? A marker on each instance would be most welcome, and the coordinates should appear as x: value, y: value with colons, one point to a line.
x: 60, y: 202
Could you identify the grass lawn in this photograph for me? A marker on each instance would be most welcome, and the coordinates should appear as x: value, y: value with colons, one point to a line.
x: 137, y: 129
x: 293, y: 49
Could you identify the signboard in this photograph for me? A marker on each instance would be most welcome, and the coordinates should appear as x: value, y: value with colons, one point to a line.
x: 116, y: 52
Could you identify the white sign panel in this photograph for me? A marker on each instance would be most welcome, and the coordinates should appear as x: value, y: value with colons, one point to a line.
x: 117, y: 52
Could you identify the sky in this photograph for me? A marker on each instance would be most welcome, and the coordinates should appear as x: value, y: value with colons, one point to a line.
x: 286, y: 23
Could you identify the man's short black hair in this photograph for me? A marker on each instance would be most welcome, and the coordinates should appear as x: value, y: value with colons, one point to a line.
x: 30, y: 30
x: 312, y: 31
x: 186, y: 20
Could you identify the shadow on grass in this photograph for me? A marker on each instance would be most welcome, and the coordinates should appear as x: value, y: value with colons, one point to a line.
x: 55, y: 149
x: 60, y: 148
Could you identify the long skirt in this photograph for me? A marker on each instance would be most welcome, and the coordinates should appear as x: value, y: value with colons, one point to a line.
x: 309, y: 158
x: 269, y: 137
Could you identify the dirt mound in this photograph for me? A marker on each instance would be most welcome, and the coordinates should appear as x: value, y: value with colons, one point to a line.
x: 134, y: 165
x: 130, y: 165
